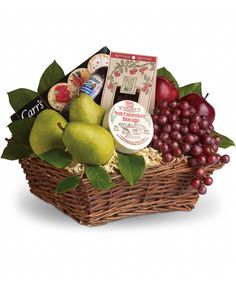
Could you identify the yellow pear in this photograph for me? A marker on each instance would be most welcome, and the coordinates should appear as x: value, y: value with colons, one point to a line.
x: 45, y: 133
x: 84, y: 109
x: 89, y: 144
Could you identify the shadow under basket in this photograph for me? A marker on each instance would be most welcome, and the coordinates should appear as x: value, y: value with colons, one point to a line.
x: 162, y: 188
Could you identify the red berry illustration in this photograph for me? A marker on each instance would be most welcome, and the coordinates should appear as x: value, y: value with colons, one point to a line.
x: 110, y: 86
x: 116, y: 74
x: 133, y: 71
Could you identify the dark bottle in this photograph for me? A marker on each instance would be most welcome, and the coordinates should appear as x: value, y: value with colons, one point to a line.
x: 92, y: 87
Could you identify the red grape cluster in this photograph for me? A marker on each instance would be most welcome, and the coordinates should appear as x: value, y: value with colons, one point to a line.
x: 179, y: 130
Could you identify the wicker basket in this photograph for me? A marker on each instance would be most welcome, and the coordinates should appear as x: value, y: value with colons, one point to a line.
x: 163, y: 188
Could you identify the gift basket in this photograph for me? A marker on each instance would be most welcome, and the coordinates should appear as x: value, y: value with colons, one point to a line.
x: 115, y: 138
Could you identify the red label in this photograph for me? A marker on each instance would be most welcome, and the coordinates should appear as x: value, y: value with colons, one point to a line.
x: 126, y: 56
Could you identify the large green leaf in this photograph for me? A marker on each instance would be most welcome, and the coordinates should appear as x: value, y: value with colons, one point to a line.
x: 131, y: 167
x: 57, y: 157
x: 98, y: 177
x: 191, y: 88
x: 225, y: 142
x: 15, y: 150
x: 51, y: 75
x: 163, y: 72
x: 67, y: 184
x: 20, y: 130
x: 18, y: 98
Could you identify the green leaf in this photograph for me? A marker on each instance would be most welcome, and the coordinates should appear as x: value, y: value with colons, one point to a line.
x: 14, y: 151
x: 57, y: 157
x: 195, y: 87
x: 131, y: 167
x: 67, y: 184
x: 225, y: 142
x: 51, y: 75
x: 98, y: 177
x: 163, y: 72
x: 20, y: 130
x: 18, y: 98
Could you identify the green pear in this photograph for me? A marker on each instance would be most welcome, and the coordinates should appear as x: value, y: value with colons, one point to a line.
x: 45, y: 133
x: 88, y: 144
x: 84, y: 109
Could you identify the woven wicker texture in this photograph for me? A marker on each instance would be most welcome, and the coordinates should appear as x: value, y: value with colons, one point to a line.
x: 163, y: 188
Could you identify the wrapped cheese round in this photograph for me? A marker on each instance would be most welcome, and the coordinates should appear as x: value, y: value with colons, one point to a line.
x: 130, y: 125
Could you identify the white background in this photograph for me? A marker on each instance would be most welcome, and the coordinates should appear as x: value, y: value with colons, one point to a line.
x: 196, y: 41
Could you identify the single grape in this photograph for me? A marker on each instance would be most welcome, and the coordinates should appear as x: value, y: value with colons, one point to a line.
x: 195, y: 183
x: 176, y: 136
x: 211, y: 128
x: 214, y: 147
x: 176, y: 126
x: 177, y: 152
x: 207, y: 180
x: 217, y: 140
x: 218, y: 156
x: 159, y: 143
x: 196, y: 150
x: 225, y: 158
x: 206, y: 149
x: 155, y: 137
x: 202, y: 190
x: 155, y: 144
x: 177, y: 112
x: 162, y: 105
x: 173, y: 104
x: 154, y: 118
x: 184, y: 105
x: 192, y: 161
x: 196, y: 137
x: 194, y: 128
x: 203, y: 124
x: 164, y: 136
x: 174, y: 145
x: 164, y: 148
x: 173, y: 118
x: 201, y: 132
x: 195, y: 118
x: 184, y: 130
x: 211, y: 159
x: 185, y: 147
x: 166, y: 112
x: 206, y: 139
x: 200, y: 172
x: 162, y: 120
x: 156, y: 128
x: 167, y: 128
x: 185, y: 121
x: 185, y: 113
x: 201, y: 160
x: 189, y: 138
x: 167, y: 157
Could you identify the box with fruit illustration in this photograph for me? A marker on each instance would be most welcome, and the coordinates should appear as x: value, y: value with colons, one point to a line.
x: 114, y: 138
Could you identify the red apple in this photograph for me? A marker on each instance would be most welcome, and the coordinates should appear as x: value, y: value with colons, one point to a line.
x: 165, y: 90
x: 201, y: 106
